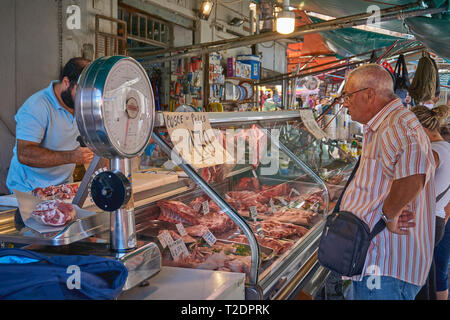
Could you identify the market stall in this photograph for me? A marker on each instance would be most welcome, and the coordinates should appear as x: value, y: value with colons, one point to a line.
x: 284, y: 210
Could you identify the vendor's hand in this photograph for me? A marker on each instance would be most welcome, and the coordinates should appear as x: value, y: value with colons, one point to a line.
x: 83, y: 155
x: 401, y: 223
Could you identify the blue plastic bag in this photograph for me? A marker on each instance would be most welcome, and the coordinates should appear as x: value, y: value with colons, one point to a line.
x: 27, y: 275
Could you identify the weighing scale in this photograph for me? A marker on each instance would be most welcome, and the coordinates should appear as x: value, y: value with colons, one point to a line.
x: 115, y: 112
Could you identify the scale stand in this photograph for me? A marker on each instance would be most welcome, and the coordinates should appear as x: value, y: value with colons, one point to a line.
x: 115, y: 112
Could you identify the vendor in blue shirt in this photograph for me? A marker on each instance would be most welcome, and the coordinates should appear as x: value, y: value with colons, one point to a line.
x: 46, y: 150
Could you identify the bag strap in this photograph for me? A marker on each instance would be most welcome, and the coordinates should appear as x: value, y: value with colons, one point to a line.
x: 439, y: 197
x: 338, y: 203
x: 380, y: 224
x: 377, y: 229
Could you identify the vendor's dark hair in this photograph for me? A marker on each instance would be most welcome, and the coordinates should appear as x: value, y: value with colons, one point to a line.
x: 73, y: 69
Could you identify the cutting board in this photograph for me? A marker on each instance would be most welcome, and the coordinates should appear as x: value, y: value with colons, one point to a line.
x: 146, y: 181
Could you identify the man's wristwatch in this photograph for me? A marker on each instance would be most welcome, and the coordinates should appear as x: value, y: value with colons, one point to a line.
x: 385, y: 219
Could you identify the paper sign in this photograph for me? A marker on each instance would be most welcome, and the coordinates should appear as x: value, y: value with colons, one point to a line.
x: 197, y: 207
x: 181, y: 229
x: 209, y: 238
x: 205, y: 207
x: 194, y: 139
x: 283, y: 201
x: 178, y: 249
x: 294, y: 191
x: 253, y: 213
x: 272, y: 205
x: 311, y: 125
x: 165, y: 238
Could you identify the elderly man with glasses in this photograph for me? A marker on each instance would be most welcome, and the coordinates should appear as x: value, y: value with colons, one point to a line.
x: 394, y: 182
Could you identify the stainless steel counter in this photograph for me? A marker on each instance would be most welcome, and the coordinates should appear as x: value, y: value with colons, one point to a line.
x: 173, y: 283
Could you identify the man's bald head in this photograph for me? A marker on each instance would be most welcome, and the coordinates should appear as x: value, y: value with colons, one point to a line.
x: 368, y: 88
x: 373, y: 76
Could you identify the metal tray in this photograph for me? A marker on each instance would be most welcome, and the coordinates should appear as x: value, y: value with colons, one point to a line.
x: 76, y: 230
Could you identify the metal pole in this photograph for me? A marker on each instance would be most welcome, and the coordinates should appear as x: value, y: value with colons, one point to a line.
x: 333, y: 62
x: 198, y: 180
x: 208, y: 47
x: 123, y: 227
x: 337, y: 68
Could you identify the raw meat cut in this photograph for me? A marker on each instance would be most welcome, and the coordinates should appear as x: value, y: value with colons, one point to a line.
x: 294, y: 215
x: 176, y: 211
x: 279, y: 246
x: 187, y: 238
x: 61, y: 192
x: 53, y: 213
x: 275, y: 229
x: 212, y: 174
x: 250, y: 184
x: 197, y: 231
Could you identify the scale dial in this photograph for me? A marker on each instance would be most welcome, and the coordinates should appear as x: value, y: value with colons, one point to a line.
x: 115, y: 107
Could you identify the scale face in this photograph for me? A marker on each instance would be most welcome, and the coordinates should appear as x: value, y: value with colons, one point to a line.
x: 116, y: 108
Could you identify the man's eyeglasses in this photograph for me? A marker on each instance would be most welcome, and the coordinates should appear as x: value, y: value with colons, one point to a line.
x: 346, y: 96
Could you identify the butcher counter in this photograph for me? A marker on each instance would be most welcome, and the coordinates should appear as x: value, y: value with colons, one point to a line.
x: 285, y: 210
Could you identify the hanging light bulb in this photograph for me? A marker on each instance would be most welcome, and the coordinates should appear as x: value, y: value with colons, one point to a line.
x: 285, y: 20
x: 206, y: 9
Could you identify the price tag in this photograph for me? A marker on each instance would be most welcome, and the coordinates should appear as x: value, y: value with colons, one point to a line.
x: 165, y: 238
x: 209, y: 238
x: 197, y: 207
x: 283, y: 201
x: 178, y: 249
x: 272, y: 205
x: 194, y: 139
x: 294, y: 191
x: 181, y: 229
x: 253, y: 213
x: 311, y: 125
x: 205, y: 207
x: 259, y: 230
x: 254, y: 174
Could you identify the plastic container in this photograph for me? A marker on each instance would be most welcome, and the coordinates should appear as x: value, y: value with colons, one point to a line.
x: 231, y: 67
x: 253, y: 61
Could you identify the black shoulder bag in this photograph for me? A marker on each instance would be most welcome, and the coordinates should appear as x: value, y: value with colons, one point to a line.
x: 345, y: 239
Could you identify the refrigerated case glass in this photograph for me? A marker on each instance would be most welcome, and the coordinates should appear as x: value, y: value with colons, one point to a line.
x: 275, y: 194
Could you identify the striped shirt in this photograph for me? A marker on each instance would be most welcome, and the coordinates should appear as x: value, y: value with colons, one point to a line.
x: 395, y: 146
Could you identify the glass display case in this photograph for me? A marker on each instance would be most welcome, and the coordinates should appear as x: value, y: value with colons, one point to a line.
x: 261, y: 214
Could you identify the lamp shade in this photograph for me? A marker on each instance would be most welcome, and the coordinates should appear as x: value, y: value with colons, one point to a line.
x: 285, y: 22
x: 206, y: 9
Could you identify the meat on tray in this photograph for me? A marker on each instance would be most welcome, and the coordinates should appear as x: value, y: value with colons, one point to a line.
x: 294, y: 215
x: 243, y: 200
x: 279, y: 190
x: 175, y: 236
x: 275, y: 229
x: 220, y: 257
x: 247, y: 183
x: 279, y: 246
x: 176, y: 212
x: 53, y: 213
x: 61, y: 192
x: 212, y: 174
